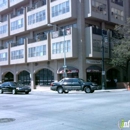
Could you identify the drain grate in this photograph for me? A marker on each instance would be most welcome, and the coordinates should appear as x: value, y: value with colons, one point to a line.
x: 6, y: 120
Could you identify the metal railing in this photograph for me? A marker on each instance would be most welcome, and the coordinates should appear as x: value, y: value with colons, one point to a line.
x: 38, y: 38
x: 3, y: 47
x: 36, y: 5
x: 14, y: 44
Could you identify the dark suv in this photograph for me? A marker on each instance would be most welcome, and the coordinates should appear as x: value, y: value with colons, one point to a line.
x: 67, y: 84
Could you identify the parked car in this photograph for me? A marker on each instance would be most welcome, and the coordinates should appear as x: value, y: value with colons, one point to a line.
x: 68, y: 84
x: 14, y: 88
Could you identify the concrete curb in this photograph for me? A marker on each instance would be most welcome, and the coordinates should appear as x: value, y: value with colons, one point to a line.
x: 47, y: 89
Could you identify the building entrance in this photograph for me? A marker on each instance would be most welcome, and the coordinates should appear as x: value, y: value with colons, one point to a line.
x: 44, y: 77
x: 24, y: 77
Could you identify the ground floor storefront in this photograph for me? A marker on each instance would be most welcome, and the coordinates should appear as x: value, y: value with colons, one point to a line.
x: 42, y: 74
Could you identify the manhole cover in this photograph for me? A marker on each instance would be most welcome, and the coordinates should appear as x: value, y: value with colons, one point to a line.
x: 5, y: 120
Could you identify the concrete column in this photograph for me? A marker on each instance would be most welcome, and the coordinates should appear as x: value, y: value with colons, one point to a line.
x: 15, y: 79
x: 81, y: 39
x: 55, y: 70
x: 32, y: 76
x: 0, y: 75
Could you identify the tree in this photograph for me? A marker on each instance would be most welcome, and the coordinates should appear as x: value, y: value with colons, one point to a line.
x: 121, y: 48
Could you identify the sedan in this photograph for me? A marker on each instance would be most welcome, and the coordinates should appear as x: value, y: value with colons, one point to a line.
x: 14, y: 88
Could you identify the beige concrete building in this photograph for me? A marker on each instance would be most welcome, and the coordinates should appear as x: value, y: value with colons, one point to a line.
x: 33, y: 52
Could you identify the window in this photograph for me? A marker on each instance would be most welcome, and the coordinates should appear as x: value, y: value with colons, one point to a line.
x: 37, y: 51
x: 38, y: 17
x: 60, y: 9
x: 117, y: 14
x: 58, y: 47
x: 3, y: 56
x: 99, y: 7
x: 17, y: 24
x: 96, y: 45
x: 3, y: 3
x: 18, y: 54
x: 3, y: 29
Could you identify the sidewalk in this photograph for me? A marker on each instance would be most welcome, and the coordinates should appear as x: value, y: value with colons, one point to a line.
x: 47, y: 89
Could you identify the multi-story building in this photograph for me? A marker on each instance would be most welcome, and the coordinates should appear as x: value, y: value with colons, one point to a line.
x: 33, y: 52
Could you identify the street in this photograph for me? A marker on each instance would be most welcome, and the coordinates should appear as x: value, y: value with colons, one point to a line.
x: 73, y: 111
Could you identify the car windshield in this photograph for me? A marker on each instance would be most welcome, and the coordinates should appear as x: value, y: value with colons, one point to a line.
x: 61, y: 81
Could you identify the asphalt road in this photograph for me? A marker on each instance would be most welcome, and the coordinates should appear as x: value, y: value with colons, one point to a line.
x: 73, y: 111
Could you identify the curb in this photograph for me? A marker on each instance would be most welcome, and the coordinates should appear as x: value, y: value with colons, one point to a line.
x: 47, y: 89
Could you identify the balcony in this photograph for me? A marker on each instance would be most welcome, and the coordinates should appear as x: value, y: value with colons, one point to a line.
x: 62, y: 10
x: 18, y: 53
x: 14, y: 2
x: 57, y: 44
x: 4, y: 31
x: 96, y: 9
x: 37, y: 5
x: 17, y: 24
x: 37, y: 49
x: 94, y: 43
x: 37, y: 16
x: 4, y: 5
x: 4, y: 56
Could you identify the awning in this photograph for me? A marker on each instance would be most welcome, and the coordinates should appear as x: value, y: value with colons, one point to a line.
x: 94, y: 68
x: 69, y: 69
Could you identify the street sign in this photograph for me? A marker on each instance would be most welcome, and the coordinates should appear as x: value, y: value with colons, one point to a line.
x: 105, y: 39
x: 103, y: 72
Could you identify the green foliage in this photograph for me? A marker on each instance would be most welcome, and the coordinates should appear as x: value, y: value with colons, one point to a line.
x: 121, y: 48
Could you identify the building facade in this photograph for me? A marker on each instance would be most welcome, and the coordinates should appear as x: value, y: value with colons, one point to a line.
x: 33, y: 53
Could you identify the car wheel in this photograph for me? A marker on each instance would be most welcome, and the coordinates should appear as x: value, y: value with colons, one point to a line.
x: 14, y: 91
x: 1, y: 91
x: 66, y: 91
x: 26, y: 92
x: 60, y: 90
x: 92, y: 91
x: 87, y: 89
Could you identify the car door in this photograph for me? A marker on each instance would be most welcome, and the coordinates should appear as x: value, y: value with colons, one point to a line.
x: 67, y: 84
x: 76, y: 85
x: 5, y: 87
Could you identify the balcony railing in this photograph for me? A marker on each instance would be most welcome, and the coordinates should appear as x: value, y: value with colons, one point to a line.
x: 37, y: 5
x: 61, y: 33
x: 38, y: 38
x: 118, y: 2
x: 3, y: 47
x: 53, y: 0
x: 17, y: 44
x: 17, y: 14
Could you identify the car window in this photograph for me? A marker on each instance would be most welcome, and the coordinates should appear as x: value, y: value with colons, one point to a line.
x: 5, y: 84
x: 13, y: 83
x: 68, y: 80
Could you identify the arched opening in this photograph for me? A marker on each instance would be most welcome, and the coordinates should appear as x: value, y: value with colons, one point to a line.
x: 24, y: 77
x: 8, y: 77
x: 94, y: 74
x: 113, y: 75
x: 44, y: 77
